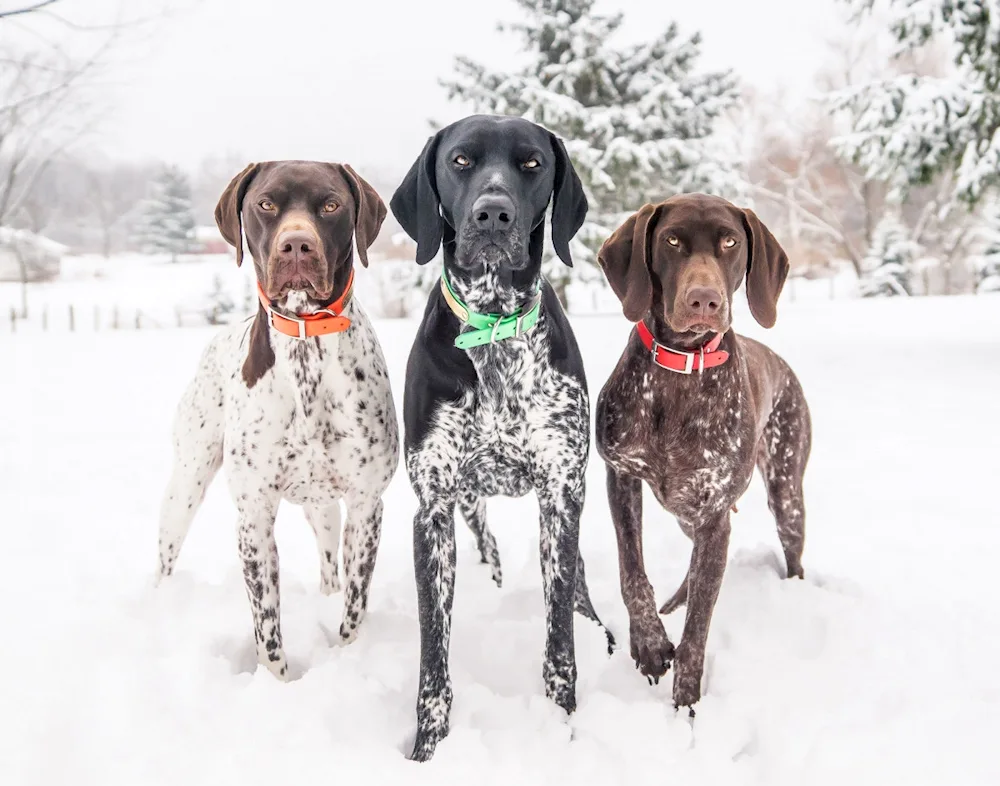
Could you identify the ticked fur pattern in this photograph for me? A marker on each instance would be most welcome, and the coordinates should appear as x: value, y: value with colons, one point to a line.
x: 523, y: 425
x: 316, y: 428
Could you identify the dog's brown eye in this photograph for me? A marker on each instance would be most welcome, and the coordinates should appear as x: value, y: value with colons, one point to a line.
x: 266, y: 204
x: 329, y: 207
x: 729, y: 242
x: 531, y: 163
x: 673, y: 240
x: 462, y: 161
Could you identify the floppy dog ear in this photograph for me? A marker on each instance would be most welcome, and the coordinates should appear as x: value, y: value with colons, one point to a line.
x: 228, y: 212
x: 767, y: 269
x: 370, y: 211
x: 416, y: 205
x: 625, y: 256
x: 569, y: 203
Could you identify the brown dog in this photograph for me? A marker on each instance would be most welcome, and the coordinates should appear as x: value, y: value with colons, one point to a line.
x: 691, y: 407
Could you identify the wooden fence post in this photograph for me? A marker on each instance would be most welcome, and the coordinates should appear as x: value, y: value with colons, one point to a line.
x: 13, y: 320
x: 138, y: 318
x: 45, y: 318
x: 72, y: 319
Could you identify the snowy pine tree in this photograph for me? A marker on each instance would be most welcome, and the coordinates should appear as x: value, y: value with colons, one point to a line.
x: 888, y: 265
x: 987, y: 262
x: 637, y: 120
x: 168, y: 223
x: 909, y: 129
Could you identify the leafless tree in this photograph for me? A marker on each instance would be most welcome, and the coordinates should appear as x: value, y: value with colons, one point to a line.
x: 49, y: 66
x: 824, y: 204
x: 115, y: 193
x: 30, y: 8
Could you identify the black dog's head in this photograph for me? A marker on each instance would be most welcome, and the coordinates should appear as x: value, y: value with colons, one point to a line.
x: 682, y: 260
x: 299, y: 218
x: 482, y: 185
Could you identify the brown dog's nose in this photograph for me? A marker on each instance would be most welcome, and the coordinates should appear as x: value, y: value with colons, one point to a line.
x: 704, y: 301
x: 297, y: 245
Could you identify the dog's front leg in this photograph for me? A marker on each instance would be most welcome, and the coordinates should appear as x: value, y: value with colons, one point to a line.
x: 651, y: 649
x: 361, y: 538
x: 708, y: 563
x: 434, y: 566
x: 560, y: 504
x: 259, y: 554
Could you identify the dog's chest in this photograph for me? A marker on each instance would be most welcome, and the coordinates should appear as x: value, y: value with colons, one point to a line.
x: 520, y: 410
x: 690, y: 439
x: 320, y: 425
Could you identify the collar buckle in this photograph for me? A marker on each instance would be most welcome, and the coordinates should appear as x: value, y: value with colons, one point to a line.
x: 688, y: 359
x: 300, y: 323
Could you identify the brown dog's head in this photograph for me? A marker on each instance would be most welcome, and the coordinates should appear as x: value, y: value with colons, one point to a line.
x: 683, y: 259
x: 299, y: 218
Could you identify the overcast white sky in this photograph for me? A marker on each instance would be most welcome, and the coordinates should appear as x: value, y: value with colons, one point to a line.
x: 356, y: 80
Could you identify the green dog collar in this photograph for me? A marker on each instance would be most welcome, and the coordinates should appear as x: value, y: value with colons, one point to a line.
x: 489, y: 328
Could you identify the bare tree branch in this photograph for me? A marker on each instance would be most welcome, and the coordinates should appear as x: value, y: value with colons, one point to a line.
x: 30, y: 9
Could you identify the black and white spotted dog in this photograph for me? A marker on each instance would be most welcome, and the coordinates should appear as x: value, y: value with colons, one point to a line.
x: 508, y: 413
x: 308, y: 420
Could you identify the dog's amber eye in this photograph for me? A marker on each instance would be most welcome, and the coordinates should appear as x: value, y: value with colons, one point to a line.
x: 462, y: 161
x: 266, y: 204
x: 673, y: 240
x: 531, y: 163
x: 329, y: 207
x: 729, y: 242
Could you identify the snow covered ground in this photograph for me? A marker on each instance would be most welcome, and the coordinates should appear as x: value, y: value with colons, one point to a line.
x: 880, y: 668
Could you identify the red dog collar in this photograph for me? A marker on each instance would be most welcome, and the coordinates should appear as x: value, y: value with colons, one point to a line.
x: 321, y: 323
x: 682, y: 362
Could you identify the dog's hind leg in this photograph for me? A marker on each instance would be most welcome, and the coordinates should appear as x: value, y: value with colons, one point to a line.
x: 198, y: 451
x: 473, y: 510
x: 325, y: 522
x: 678, y: 599
x: 584, y: 606
x: 362, y: 533
x: 781, y: 458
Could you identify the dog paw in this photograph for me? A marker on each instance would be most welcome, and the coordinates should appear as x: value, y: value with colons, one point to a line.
x: 163, y: 571
x: 329, y: 585
x: 560, y: 685
x: 426, y: 743
x: 651, y: 649
x: 276, y: 663
x: 688, y: 667
x: 687, y: 691
x: 348, y: 633
x: 490, y: 555
x: 672, y: 605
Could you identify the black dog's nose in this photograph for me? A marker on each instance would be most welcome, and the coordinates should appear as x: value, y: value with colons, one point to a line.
x: 296, y: 245
x: 494, y: 212
x: 704, y: 301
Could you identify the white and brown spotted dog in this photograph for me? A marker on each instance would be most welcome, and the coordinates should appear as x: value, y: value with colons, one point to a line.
x: 296, y: 404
